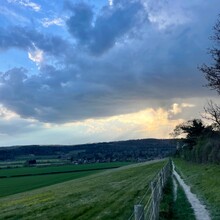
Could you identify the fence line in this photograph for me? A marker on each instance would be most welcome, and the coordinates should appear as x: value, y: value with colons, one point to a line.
x: 150, y: 209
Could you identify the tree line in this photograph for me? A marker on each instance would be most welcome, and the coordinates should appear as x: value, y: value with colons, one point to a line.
x: 131, y: 150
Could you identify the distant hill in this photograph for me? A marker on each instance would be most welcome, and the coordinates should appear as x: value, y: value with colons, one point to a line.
x: 112, y: 151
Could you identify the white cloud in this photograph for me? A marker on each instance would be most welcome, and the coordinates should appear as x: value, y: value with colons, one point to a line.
x: 187, y: 105
x: 176, y: 109
x: 27, y: 3
x: 111, y: 2
x: 167, y: 13
x: 36, y: 55
x: 46, y: 22
x: 6, y: 113
x: 185, y: 110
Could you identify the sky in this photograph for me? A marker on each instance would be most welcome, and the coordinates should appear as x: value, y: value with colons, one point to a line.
x: 74, y: 72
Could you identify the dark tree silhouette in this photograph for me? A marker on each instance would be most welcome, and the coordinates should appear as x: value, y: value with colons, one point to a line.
x: 212, y: 71
x: 192, y: 129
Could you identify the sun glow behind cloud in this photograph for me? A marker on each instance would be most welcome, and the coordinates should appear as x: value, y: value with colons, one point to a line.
x: 150, y: 122
x: 7, y: 114
x: 147, y: 123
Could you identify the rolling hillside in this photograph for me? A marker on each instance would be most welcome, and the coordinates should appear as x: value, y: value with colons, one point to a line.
x: 107, y: 195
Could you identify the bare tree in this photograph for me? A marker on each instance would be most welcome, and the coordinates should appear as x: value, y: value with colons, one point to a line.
x: 212, y: 113
x: 212, y: 72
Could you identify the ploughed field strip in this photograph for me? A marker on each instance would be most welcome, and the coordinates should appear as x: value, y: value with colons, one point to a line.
x: 204, y: 180
x: 107, y: 195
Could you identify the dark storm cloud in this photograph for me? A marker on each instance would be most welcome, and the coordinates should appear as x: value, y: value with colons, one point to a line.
x: 26, y: 38
x: 101, y: 33
x: 49, y: 98
x: 139, y: 65
x: 18, y: 126
x: 80, y: 23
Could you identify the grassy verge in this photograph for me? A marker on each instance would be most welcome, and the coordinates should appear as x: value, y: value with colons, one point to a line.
x: 107, y: 195
x: 204, y: 180
x: 179, y: 209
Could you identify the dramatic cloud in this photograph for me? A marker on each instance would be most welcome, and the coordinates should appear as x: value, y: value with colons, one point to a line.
x: 102, y: 32
x: 122, y: 58
x: 125, y: 79
x: 25, y: 38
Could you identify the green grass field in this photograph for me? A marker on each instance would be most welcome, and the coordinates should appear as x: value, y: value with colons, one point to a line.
x: 204, y: 180
x: 9, y: 186
x: 63, y: 168
x: 106, y: 195
x: 40, y: 162
x: 12, y: 185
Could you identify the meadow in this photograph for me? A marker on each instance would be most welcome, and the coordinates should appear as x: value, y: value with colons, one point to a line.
x: 36, y: 170
x: 18, y: 180
x: 107, y: 195
x: 204, y: 180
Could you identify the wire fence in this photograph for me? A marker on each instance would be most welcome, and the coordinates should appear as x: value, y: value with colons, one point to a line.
x: 148, y: 209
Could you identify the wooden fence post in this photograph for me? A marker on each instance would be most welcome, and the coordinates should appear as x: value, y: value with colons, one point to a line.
x: 139, y: 212
x: 161, y: 182
x: 153, y: 200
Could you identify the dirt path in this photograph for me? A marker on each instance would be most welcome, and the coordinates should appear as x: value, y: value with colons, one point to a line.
x: 200, y: 211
